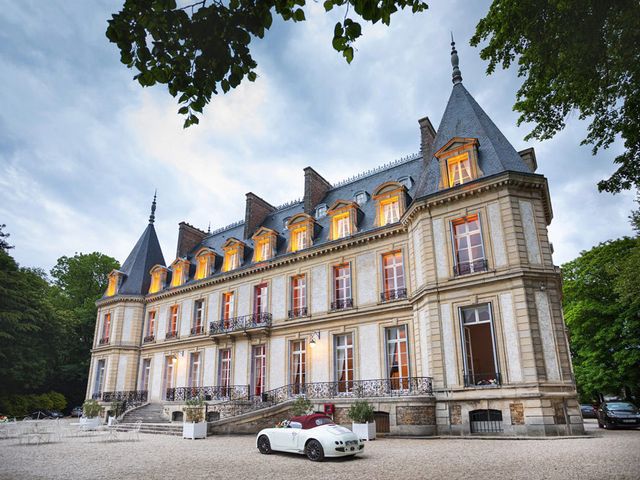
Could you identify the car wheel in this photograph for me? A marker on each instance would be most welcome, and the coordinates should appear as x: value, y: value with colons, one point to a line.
x: 314, y: 451
x: 264, y: 445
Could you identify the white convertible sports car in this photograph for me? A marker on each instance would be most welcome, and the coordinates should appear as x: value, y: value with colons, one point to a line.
x: 315, y: 436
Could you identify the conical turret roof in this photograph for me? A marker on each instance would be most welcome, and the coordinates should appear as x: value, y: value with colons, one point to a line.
x: 145, y: 254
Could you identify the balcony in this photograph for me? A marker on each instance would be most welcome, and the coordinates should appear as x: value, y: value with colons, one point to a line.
x: 342, y: 304
x: 197, y: 330
x: 103, y: 341
x: 230, y: 392
x: 171, y: 335
x: 391, y: 295
x: 149, y: 339
x: 475, y: 266
x: 130, y: 398
x: 490, y: 379
x: 297, y: 313
x: 243, y: 324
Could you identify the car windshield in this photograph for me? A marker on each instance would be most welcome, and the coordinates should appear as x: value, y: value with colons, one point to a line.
x: 621, y: 406
x: 323, y: 421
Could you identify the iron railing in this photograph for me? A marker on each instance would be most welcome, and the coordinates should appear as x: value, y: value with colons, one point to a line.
x: 298, y: 312
x: 341, y: 304
x: 197, y: 330
x: 396, y: 294
x: 464, y: 268
x: 103, y: 341
x: 170, y: 335
x: 230, y: 392
x: 490, y: 379
x: 485, y: 421
x: 149, y: 338
x: 237, y: 324
x: 130, y: 398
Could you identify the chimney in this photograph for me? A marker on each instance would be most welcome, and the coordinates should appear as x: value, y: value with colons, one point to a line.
x: 188, y: 238
x: 529, y: 157
x: 255, y: 213
x: 427, y: 136
x: 315, y: 188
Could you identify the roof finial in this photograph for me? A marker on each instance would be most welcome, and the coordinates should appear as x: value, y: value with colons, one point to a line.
x: 152, y: 217
x: 209, y: 229
x: 456, y: 75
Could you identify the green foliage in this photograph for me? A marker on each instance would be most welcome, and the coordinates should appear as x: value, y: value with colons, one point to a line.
x: 575, y: 56
x: 301, y: 406
x: 91, y: 408
x: 21, y: 405
x: 4, y: 245
x: 194, y: 410
x: 58, y: 401
x: 116, y: 408
x: 361, y: 411
x: 602, y: 312
x: 634, y: 218
x: 200, y: 50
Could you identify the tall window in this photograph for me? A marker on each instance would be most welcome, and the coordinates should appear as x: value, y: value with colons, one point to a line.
x: 224, y: 371
x: 480, y: 365
x: 99, y: 378
x: 389, y: 210
x: 198, y: 317
x: 299, y: 239
x: 172, y: 331
x: 146, y: 374
x: 397, y: 357
x: 106, y: 328
x: 298, y: 365
x: 263, y: 249
x: 343, y: 347
x: 341, y: 225
x: 231, y: 260
x: 178, y: 274
x: 194, y: 370
x: 298, y: 296
x: 258, y: 369
x: 227, y: 308
x: 169, y: 374
x: 202, y: 266
x: 459, y: 169
x: 393, y: 277
x: 150, y: 328
x: 260, y: 300
x: 112, y: 289
x: 342, y: 287
x: 157, y: 281
x: 469, y: 250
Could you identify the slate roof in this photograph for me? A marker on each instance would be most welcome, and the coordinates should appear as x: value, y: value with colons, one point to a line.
x: 145, y: 254
x: 463, y: 117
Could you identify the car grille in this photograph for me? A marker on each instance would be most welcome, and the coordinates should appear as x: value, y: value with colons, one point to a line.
x: 351, y: 442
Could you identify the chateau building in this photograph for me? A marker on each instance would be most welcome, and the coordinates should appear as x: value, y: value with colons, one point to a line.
x: 425, y: 286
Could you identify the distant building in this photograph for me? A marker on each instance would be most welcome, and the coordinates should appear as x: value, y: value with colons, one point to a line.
x: 426, y: 286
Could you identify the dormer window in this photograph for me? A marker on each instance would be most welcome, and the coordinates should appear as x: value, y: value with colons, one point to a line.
x: 360, y: 198
x: 233, y: 254
x: 158, y: 278
x: 389, y: 211
x: 341, y: 226
x: 459, y: 169
x: 301, y: 228
x: 115, y: 278
x: 458, y: 162
x: 264, y: 244
x: 406, y: 181
x: 344, y: 216
x: 391, y: 198
x: 180, y: 272
x: 321, y: 211
x: 205, y: 263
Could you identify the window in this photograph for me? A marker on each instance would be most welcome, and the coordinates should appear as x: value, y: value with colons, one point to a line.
x: 360, y: 198
x: 146, y: 374
x: 198, y: 317
x: 158, y: 276
x: 114, y: 281
x: 298, y: 297
x: 168, y: 381
x: 341, y: 226
x: 342, y: 287
x: 478, y: 346
x: 150, y: 328
x: 301, y: 227
x: 202, y: 267
x: 180, y: 272
x: 264, y: 249
x: 260, y: 300
x: 459, y: 169
x: 258, y: 369
x: 397, y: 357
x: 231, y: 260
x: 343, y: 348
x: 106, y: 329
x: 469, y: 250
x: 194, y: 370
x: 98, y: 384
x: 227, y: 308
x: 172, y: 331
x: 298, y: 367
x: 393, y: 277
x: 299, y: 239
x: 224, y: 371
x: 389, y: 211
x: 321, y: 211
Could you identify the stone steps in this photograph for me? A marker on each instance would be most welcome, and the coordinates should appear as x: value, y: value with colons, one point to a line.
x: 153, y: 428
x: 150, y: 413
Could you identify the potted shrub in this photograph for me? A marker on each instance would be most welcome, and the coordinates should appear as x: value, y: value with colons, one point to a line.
x: 194, y: 425
x: 364, y: 425
x: 90, y: 419
x: 301, y: 406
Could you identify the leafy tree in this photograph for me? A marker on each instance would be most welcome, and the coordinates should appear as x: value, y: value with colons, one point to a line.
x: 634, y: 218
x: 575, y: 56
x: 204, y: 47
x: 602, y: 311
x: 4, y: 245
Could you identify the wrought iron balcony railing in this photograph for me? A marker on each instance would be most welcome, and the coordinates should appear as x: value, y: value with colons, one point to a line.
x: 490, y: 379
x: 130, y: 398
x: 197, y: 330
x: 103, y: 341
x: 239, y: 324
x: 230, y: 392
x: 391, y: 295
x: 342, y: 304
x: 170, y: 335
x: 464, y: 268
x: 298, y: 312
x: 149, y: 338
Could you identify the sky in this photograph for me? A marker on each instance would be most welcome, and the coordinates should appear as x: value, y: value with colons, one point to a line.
x: 83, y: 147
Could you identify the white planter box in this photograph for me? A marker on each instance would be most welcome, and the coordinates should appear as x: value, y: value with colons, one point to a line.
x: 91, y: 423
x: 194, y: 430
x: 364, y: 431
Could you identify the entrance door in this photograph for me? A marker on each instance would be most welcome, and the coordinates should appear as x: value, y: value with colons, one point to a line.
x: 258, y: 369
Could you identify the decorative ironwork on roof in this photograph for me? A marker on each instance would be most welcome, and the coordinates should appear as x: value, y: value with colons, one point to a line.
x: 375, y: 170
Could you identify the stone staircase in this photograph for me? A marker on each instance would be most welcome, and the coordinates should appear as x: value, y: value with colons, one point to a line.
x: 154, y: 428
x: 149, y: 413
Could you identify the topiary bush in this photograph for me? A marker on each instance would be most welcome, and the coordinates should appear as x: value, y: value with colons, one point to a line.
x: 194, y: 410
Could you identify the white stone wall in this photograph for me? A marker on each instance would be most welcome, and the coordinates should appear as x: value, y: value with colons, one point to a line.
x: 155, y: 382
x: 440, y: 246
x: 244, y: 300
x: 185, y: 317
x: 240, y: 375
x: 122, y: 373
x: 279, y: 298
x: 449, y: 345
x: 319, y: 289
x: 367, y: 287
x: 547, y: 337
x: 277, y: 362
x: 512, y: 344
x: 127, y: 326
x: 423, y: 323
x: 213, y: 308
x: 209, y: 374
x: 182, y: 369
x: 497, y: 235
x: 530, y: 235
x: 161, y: 329
x: 417, y: 253
x: 369, y: 350
x: 319, y: 359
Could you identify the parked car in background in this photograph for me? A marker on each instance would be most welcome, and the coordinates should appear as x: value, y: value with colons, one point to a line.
x: 618, y: 414
x: 76, y: 412
x: 42, y: 414
x: 588, y: 411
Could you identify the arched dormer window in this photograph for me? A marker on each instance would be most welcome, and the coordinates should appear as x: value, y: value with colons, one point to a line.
x: 205, y: 263
x: 158, y: 278
x: 115, y: 280
x: 264, y: 244
x: 344, y: 219
x: 391, y: 202
x: 301, y: 229
x: 458, y: 160
x: 180, y: 271
x: 233, y: 254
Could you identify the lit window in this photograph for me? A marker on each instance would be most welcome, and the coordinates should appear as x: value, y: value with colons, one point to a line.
x: 397, y: 357
x: 361, y: 198
x: 150, y: 328
x: 260, y: 299
x: 468, y: 248
x: 341, y: 226
x: 321, y: 211
x: 172, y: 331
x: 342, y: 287
x: 227, y: 307
x: 176, y: 279
x: 393, y: 277
x: 389, y: 211
x: 263, y: 250
x: 299, y: 239
x: 106, y: 328
x: 157, y: 280
x: 202, y: 267
x: 231, y: 260
x: 459, y: 169
x: 112, y: 289
x: 298, y: 296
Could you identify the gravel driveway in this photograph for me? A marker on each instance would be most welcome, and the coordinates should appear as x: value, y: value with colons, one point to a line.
x: 605, y: 454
